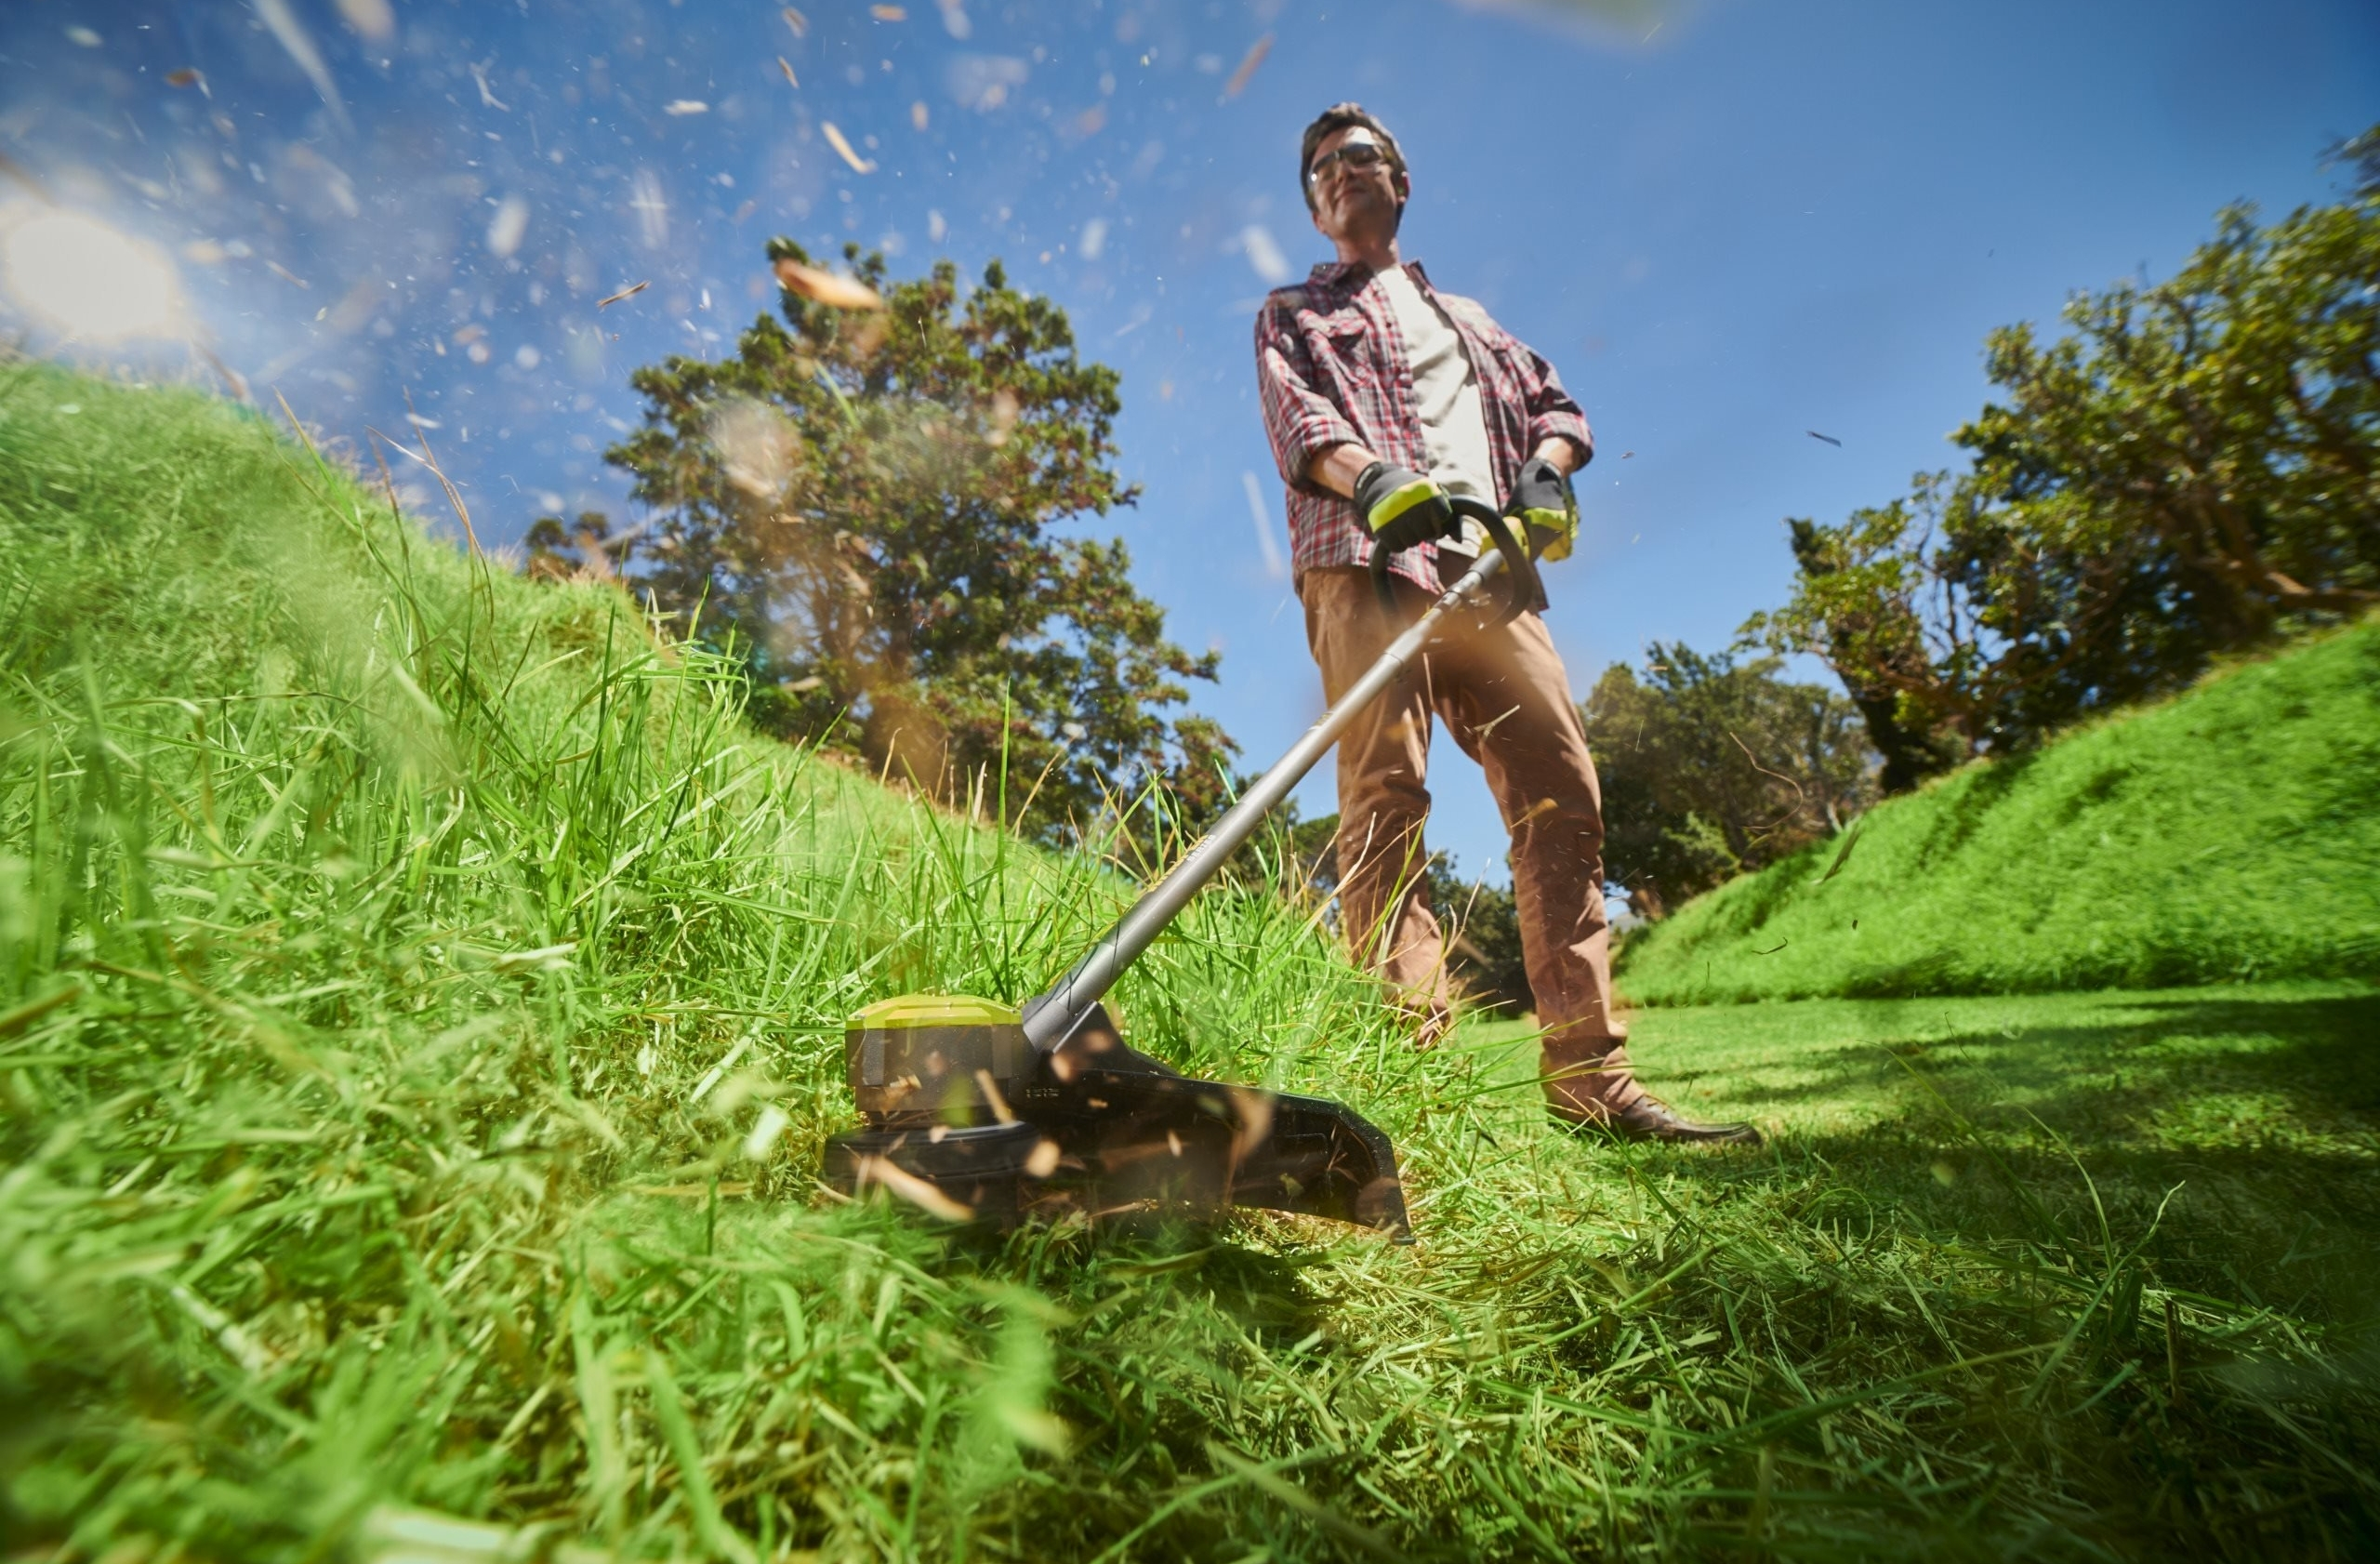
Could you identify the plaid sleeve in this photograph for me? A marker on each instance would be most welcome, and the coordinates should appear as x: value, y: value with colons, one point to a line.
x: 1551, y: 409
x: 1297, y: 421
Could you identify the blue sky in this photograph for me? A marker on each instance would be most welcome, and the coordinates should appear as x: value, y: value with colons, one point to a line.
x: 1727, y: 223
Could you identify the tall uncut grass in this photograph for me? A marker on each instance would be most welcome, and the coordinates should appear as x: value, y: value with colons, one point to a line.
x: 420, y: 1013
x: 2229, y: 834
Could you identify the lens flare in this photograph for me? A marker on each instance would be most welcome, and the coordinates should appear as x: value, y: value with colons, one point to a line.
x: 90, y: 280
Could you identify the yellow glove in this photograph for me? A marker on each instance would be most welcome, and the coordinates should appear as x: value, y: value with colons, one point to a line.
x: 1549, y: 512
x: 1402, y: 507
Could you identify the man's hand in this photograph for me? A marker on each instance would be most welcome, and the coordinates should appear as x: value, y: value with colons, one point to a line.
x: 1402, y: 507
x: 1548, y: 509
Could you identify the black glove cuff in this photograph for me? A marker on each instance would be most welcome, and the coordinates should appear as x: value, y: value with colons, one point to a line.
x: 1365, y: 480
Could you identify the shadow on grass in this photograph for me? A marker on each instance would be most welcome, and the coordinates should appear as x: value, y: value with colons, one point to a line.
x: 1177, y: 1255
x: 2260, y: 1115
x: 1957, y: 824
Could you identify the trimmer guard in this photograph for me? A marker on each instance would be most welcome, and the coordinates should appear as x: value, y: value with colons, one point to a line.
x: 1098, y: 1129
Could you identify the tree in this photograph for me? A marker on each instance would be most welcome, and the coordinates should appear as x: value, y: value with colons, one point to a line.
x: 1869, y: 593
x: 867, y: 502
x: 1711, y: 768
x: 2361, y: 153
x: 2193, y: 470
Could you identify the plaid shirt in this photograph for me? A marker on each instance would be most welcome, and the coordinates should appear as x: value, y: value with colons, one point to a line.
x: 1331, y: 368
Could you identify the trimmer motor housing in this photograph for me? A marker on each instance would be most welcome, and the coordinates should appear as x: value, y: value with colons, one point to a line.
x: 966, y: 1118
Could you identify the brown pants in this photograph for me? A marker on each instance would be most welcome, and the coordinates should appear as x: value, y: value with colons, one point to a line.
x: 1503, y: 695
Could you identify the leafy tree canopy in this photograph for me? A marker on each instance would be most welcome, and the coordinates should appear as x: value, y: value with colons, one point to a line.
x: 2192, y: 470
x: 1713, y: 767
x: 868, y: 501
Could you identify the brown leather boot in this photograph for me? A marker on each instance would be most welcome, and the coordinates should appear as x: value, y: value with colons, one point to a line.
x: 1590, y: 1088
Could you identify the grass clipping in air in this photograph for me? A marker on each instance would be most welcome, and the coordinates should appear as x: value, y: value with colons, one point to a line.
x: 419, y: 1018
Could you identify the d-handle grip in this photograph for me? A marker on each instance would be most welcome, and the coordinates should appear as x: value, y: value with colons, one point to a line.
x: 1522, y: 589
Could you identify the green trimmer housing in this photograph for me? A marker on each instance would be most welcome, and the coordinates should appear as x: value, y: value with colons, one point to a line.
x: 983, y: 1113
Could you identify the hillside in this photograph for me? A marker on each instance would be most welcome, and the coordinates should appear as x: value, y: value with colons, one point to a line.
x: 419, y: 1012
x: 2229, y: 834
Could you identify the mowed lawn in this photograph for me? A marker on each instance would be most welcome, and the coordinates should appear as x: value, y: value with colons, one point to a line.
x: 2250, y: 1114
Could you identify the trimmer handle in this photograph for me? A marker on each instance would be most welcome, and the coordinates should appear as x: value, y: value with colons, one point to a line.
x: 1522, y: 589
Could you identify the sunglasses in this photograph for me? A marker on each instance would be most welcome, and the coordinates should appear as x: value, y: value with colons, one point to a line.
x: 1355, y: 155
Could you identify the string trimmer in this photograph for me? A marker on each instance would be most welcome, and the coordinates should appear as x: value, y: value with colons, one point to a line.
x: 983, y: 1113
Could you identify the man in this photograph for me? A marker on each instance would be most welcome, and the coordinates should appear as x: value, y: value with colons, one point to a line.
x: 1381, y: 397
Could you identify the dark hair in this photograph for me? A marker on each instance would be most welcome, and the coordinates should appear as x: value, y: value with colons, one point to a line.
x: 1338, y: 117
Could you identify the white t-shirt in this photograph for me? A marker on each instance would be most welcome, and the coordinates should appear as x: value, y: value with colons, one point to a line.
x: 1446, y: 394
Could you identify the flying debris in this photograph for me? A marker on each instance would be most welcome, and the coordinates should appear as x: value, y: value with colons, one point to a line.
x: 888, y: 13
x: 629, y: 292
x: 983, y: 82
x: 231, y: 378
x: 1625, y: 455
x: 650, y: 206
x: 286, y: 274
x: 371, y: 17
x: 488, y: 98
x: 1248, y: 64
x: 790, y: 79
x: 188, y: 77
x: 795, y: 19
x: 835, y: 139
x: 505, y: 230
x: 825, y: 287
x: 1274, y: 566
x: 757, y: 444
x: 1828, y: 438
x: 1264, y: 253
x: 292, y: 35
x: 679, y: 107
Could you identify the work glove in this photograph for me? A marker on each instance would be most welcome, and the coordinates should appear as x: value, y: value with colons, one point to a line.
x: 1548, y: 509
x: 1402, y: 507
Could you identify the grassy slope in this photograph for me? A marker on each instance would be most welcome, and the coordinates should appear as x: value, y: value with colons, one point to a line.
x: 376, y: 930
x: 2229, y: 834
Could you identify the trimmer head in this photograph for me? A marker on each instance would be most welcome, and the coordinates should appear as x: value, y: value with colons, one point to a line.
x: 968, y: 1119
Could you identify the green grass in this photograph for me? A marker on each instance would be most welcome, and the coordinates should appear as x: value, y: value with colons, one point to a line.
x: 2231, y: 834
x: 401, y: 968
